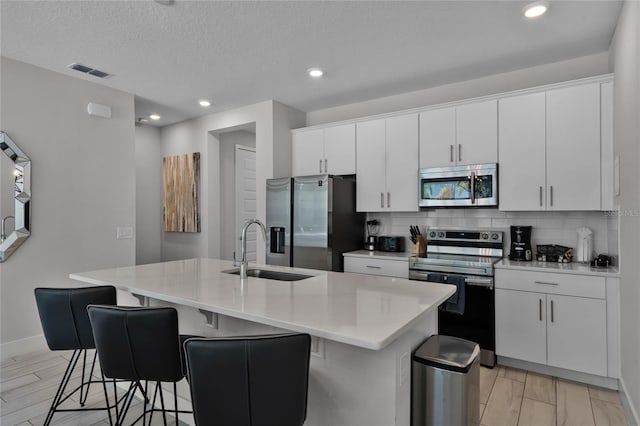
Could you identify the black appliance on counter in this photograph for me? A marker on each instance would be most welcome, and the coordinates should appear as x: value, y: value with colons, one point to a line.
x: 387, y: 243
x: 520, y: 243
x: 464, y: 258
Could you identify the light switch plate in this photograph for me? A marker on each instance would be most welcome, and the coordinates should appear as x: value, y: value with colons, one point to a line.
x: 124, y: 233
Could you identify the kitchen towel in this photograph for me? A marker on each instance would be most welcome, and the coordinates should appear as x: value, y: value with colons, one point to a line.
x: 454, y: 304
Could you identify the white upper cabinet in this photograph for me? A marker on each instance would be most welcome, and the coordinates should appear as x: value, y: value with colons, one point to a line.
x: 371, y: 167
x: 438, y: 137
x: 402, y: 163
x: 522, y: 152
x: 467, y: 134
x: 477, y: 133
x: 573, y: 148
x: 387, y: 164
x: 307, y: 152
x: 550, y: 150
x: 340, y: 149
x: 330, y: 150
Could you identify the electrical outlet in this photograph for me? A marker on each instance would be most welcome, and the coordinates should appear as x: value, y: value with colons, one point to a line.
x: 124, y: 233
x: 317, y: 347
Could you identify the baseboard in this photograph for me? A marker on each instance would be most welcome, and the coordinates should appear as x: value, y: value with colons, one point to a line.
x: 630, y: 411
x: 22, y: 346
x: 590, y: 379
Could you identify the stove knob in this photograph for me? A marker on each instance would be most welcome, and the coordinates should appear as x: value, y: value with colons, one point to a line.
x: 432, y: 234
x: 494, y: 236
x: 484, y: 236
x: 440, y: 234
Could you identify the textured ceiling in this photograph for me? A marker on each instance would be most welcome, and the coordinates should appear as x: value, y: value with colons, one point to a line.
x: 238, y: 52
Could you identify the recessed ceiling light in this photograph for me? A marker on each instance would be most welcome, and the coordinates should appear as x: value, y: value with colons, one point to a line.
x: 315, y: 72
x: 154, y: 117
x: 204, y: 103
x: 533, y: 10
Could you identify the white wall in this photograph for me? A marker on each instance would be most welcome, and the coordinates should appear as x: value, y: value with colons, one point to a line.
x: 82, y: 186
x: 228, y: 235
x: 571, y: 69
x: 199, y: 135
x: 625, y: 59
x: 148, y: 195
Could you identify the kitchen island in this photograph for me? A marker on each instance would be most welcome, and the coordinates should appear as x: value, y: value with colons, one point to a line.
x: 364, y: 327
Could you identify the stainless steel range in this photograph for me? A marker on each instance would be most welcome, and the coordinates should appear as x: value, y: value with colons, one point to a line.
x: 465, y: 258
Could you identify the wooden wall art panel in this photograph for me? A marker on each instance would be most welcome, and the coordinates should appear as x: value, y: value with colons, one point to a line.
x: 181, y: 195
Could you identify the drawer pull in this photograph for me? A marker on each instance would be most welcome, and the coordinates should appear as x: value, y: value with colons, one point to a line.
x: 374, y: 267
x: 545, y: 283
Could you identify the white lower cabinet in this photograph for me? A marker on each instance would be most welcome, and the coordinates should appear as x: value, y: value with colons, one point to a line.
x: 372, y: 266
x: 577, y: 334
x: 554, y: 324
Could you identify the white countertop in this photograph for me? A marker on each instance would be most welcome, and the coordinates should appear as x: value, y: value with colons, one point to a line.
x: 387, y: 255
x: 563, y: 268
x: 356, y: 309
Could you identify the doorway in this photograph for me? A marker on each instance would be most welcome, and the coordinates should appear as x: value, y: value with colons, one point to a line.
x: 237, y: 171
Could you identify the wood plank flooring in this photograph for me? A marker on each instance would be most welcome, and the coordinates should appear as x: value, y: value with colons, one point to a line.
x: 508, y: 397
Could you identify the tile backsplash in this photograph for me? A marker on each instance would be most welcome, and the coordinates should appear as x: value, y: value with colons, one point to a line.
x: 548, y: 227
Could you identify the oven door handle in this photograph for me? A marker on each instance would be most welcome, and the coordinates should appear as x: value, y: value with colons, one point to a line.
x: 480, y: 282
x: 474, y: 281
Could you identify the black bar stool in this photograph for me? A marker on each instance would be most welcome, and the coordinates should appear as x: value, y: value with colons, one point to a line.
x: 66, y: 326
x: 249, y: 381
x: 140, y: 344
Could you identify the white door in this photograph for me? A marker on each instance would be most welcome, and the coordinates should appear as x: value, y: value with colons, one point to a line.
x: 402, y: 163
x: 340, y: 150
x: 573, y: 148
x: 307, y: 151
x: 522, y: 152
x: 370, y: 166
x: 577, y: 333
x: 245, y: 198
x: 477, y: 133
x: 521, y: 325
x: 438, y: 137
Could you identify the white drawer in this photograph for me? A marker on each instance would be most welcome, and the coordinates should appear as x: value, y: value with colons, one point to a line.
x: 389, y: 268
x: 550, y: 283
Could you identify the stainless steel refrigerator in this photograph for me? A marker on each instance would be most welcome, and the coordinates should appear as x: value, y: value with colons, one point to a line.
x: 312, y: 220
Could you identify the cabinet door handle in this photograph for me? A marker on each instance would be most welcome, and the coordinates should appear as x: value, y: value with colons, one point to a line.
x: 459, y: 152
x: 552, y: 311
x: 374, y: 267
x: 320, y: 166
x: 540, y: 196
x: 381, y: 200
x: 451, y: 153
x: 325, y: 165
x: 540, y: 309
x: 388, y: 199
x: 551, y: 195
x: 545, y: 283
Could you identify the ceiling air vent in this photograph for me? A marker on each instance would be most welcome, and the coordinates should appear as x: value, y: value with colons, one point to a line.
x: 88, y: 70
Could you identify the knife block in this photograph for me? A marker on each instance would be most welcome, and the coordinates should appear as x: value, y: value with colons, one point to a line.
x: 419, y: 248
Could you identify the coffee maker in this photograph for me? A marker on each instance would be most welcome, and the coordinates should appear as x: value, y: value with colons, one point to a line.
x: 520, y: 243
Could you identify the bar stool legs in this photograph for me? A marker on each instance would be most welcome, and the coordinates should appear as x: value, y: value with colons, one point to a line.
x: 83, y: 389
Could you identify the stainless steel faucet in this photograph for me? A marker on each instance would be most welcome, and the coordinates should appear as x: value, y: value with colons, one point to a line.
x: 244, y: 263
x: 3, y: 233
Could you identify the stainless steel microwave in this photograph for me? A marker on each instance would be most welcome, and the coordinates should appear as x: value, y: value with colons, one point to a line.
x: 459, y: 186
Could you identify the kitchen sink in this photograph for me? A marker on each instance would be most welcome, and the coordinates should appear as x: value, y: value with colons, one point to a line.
x: 269, y: 275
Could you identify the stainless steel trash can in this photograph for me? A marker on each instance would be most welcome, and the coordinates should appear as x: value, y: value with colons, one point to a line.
x: 445, y: 383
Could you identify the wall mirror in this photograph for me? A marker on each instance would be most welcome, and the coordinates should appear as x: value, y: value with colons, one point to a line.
x: 21, y: 199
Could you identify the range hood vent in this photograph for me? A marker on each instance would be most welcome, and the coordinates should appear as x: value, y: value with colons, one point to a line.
x: 88, y: 70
